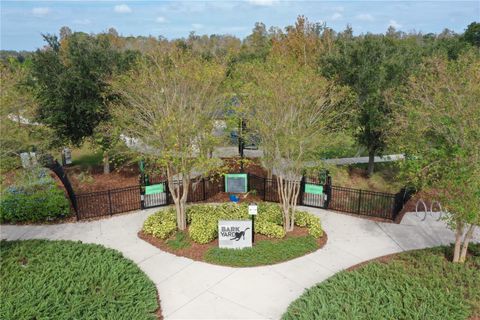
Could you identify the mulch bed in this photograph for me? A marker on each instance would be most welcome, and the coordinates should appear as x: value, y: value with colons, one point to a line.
x: 197, y: 251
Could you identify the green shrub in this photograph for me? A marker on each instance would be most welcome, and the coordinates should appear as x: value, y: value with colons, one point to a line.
x: 312, y: 222
x: 34, y: 197
x: 269, y: 229
x: 203, y: 221
x: 270, y: 212
x: 161, y: 224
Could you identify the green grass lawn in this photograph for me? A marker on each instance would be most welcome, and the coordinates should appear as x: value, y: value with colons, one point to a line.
x: 415, y: 285
x: 68, y: 280
x: 263, y: 252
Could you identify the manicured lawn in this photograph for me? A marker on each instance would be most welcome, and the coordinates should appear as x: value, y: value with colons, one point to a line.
x: 416, y: 285
x: 264, y: 252
x: 68, y: 280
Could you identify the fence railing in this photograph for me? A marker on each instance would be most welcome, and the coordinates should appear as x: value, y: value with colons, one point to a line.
x: 355, y: 201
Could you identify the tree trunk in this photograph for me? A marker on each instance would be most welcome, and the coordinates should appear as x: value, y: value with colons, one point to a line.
x: 288, y: 195
x: 466, y: 241
x: 371, y: 162
x: 106, y: 162
x: 458, y: 242
x: 179, y: 195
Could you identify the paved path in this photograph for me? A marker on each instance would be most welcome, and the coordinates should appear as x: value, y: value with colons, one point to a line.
x: 195, y: 290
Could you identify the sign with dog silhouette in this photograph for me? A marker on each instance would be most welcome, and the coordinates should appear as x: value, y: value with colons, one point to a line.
x: 235, y: 234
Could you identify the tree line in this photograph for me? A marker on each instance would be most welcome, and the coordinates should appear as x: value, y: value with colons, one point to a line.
x: 297, y: 88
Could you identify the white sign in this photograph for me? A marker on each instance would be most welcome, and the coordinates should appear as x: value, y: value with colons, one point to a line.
x: 234, y: 234
x: 252, y: 209
x: 29, y: 159
x: 67, y: 154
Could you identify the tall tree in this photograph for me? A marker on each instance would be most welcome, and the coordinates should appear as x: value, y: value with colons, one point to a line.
x: 168, y: 102
x: 472, y: 34
x: 71, y: 83
x: 371, y: 65
x: 439, y: 127
x: 292, y: 109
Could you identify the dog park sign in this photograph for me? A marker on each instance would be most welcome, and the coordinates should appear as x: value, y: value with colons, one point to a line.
x: 234, y: 234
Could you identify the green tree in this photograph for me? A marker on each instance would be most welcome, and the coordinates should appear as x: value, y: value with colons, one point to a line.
x: 472, y: 34
x: 17, y: 133
x: 371, y: 65
x: 439, y: 128
x: 293, y: 111
x: 167, y: 102
x: 71, y: 83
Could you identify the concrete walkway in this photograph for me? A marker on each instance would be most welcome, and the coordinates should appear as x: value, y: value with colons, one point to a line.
x: 195, y: 290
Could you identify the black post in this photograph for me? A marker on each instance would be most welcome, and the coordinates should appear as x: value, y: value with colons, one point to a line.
x: 204, y: 191
x: 302, y: 189
x: 110, y: 202
x: 142, y: 197
x: 253, y: 229
x: 359, y: 201
x: 264, y: 189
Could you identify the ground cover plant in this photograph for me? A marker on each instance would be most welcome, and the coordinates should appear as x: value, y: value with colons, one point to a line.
x: 421, y: 284
x: 200, y: 242
x: 33, y: 197
x: 264, y: 252
x: 69, y: 280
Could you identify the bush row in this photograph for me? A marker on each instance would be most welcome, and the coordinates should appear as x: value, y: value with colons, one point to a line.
x: 203, y: 221
x: 34, y: 198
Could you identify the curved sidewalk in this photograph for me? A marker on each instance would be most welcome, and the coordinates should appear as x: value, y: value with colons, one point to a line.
x: 195, y: 290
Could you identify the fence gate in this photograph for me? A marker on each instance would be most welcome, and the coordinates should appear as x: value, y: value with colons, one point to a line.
x: 154, y: 195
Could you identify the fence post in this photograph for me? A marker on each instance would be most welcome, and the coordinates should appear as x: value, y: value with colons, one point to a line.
x: 75, y: 207
x: 204, y: 190
x: 302, y: 189
x: 359, y: 201
x: 110, y: 202
x: 142, y: 198
x: 264, y: 189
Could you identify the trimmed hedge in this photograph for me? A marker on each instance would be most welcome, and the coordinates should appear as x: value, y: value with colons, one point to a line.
x: 203, y: 221
x: 35, y: 197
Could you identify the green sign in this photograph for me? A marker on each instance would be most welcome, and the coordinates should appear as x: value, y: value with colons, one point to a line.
x: 313, y: 188
x: 154, y: 189
x: 236, y: 182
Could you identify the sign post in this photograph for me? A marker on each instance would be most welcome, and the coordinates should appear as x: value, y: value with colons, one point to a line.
x: 253, y: 210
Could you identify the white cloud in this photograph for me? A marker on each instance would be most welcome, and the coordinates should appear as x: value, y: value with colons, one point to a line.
x: 82, y: 21
x: 41, y: 11
x: 336, y: 16
x: 394, y: 24
x: 122, y: 8
x: 197, y: 25
x: 339, y: 9
x: 262, y: 2
x: 161, y: 20
x: 364, y: 17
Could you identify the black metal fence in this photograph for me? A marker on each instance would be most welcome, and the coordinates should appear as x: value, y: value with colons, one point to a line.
x: 355, y: 201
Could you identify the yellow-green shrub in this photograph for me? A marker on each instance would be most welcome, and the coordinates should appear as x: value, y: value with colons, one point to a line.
x: 269, y: 229
x: 270, y: 212
x: 161, y: 224
x: 312, y: 222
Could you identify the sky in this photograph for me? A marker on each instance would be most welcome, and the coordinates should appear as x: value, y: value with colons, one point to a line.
x: 23, y: 22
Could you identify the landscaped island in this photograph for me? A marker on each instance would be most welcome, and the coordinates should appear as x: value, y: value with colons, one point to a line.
x: 421, y: 284
x: 70, y: 280
x: 272, y: 244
